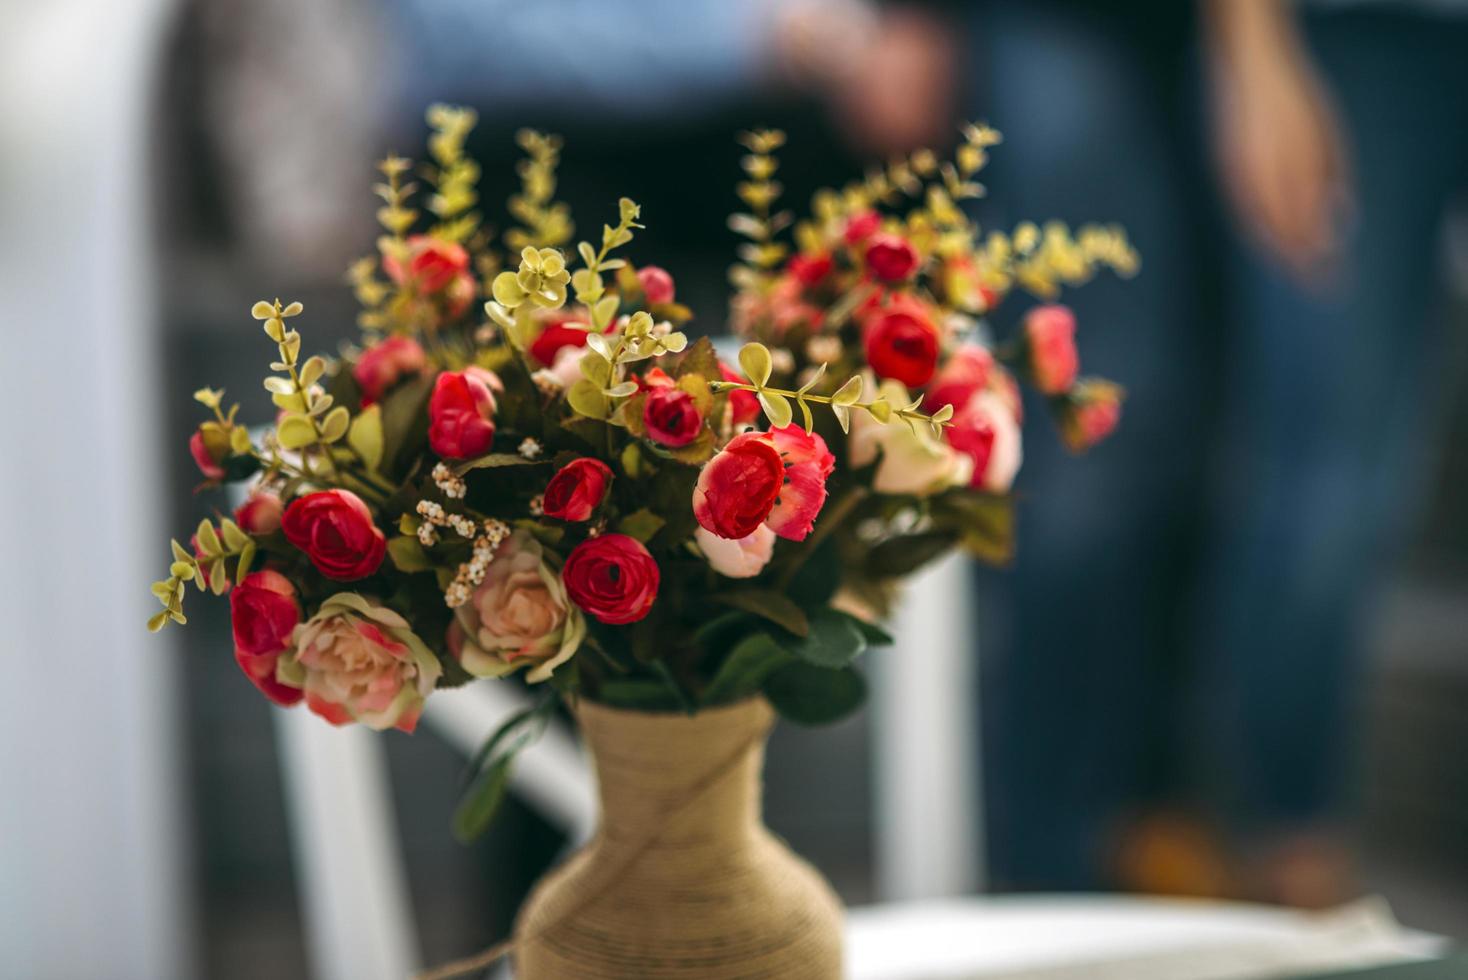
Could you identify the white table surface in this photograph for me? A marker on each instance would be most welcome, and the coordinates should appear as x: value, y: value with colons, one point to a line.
x: 1062, y: 937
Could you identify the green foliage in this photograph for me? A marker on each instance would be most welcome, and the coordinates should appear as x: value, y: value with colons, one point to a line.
x: 810, y: 695
x: 489, y: 771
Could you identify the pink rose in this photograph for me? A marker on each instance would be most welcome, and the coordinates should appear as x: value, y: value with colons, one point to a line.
x: 810, y: 270
x: 1050, y: 336
x: 260, y: 513
x: 357, y: 660
x: 432, y: 265
x: 807, y: 464
x: 963, y: 375
x: 657, y: 284
x: 461, y: 413
x: 742, y: 557
x: 518, y: 616
x: 860, y: 227
x: 384, y: 364
x: 264, y: 613
x: 985, y: 430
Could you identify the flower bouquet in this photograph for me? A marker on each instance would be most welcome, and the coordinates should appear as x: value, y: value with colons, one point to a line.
x: 528, y: 470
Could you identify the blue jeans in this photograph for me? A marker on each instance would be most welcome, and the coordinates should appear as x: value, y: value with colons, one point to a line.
x: 1182, y: 622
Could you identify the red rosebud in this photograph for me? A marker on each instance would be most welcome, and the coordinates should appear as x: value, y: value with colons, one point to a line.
x: 810, y: 270
x: 264, y: 613
x: 556, y: 336
x: 860, y: 227
x: 461, y: 413
x: 670, y: 416
x: 383, y: 365
x: 961, y: 377
x: 612, y: 577
x: 1050, y: 335
x: 743, y: 405
x: 335, y: 530
x: 1089, y: 413
x: 901, y: 342
x: 204, y: 459
x: 432, y: 264
x: 807, y: 464
x: 657, y: 284
x: 260, y: 513
x: 891, y: 258
x: 577, y: 489
x: 737, y: 489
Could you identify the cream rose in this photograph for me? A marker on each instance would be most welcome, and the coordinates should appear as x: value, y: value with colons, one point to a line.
x: 357, y: 660
x: 518, y: 616
x: 742, y: 557
x: 913, y: 460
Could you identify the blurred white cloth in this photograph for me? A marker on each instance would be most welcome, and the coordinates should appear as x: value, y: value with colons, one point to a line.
x: 90, y: 847
x: 1117, y: 938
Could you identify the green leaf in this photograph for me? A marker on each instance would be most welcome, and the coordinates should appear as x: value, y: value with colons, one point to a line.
x: 586, y: 398
x: 875, y: 635
x: 494, y: 460
x: 746, y: 668
x: 777, y: 409
x: 833, y: 641
x: 335, y: 425
x: 234, y: 538
x: 983, y: 522
x: 407, y: 555
x: 811, y: 695
x: 157, y: 622
x: 491, y: 768
x: 755, y: 361
x: 773, y: 606
x: 295, y: 432
x: 247, y: 558
x: 365, y: 436
x: 906, y: 554
x: 312, y: 371
x: 700, y: 359
x: 641, y: 524
x: 637, y: 694
x: 208, y: 540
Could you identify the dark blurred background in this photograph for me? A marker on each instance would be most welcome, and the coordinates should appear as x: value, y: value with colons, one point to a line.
x: 1232, y: 659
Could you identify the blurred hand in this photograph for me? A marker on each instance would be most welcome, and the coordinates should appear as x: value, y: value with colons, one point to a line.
x: 1279, y: 145
x: 889, y: 77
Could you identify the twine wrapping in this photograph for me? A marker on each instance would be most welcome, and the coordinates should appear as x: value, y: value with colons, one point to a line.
x: 682, y: 878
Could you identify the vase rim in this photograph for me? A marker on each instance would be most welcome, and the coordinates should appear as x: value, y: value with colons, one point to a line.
x: 752, y: 707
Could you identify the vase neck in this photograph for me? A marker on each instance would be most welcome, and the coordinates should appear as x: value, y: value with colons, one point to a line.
x: 697, y: 778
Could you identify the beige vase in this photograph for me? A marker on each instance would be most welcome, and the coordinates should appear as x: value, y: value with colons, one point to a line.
x: 682, y: 878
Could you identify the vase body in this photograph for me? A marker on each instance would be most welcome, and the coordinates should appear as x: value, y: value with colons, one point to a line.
x: 682, y: 879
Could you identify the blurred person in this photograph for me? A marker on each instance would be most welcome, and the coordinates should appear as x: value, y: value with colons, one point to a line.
x: 1171, y: 705
x: 1341, y: 136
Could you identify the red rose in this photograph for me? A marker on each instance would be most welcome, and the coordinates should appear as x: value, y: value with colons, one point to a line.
x: 807, y: 463
x: 860, y: 227
x: 961, y: 377
x: 260, y: 513
x: 737, y: 489
x: 577, y: 489
x: 743, y: 405
x: 207, y: 462
x: 264, y: 613
x: 809, y: 270
x: 612, y: 577
x: 385, y: 364
x: 1050, y: 336
x: 671, y: 417
x: 432, y: 264
x: 461, y: 413
x: 891, y: 258
x: 555, y: 337
x: 657, y: 284
x: 901, y: 342
x: 335, y: 530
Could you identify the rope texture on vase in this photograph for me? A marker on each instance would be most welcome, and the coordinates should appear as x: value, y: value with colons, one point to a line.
x: 630, y: 855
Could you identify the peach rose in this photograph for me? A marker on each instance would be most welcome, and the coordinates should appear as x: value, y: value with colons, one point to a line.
x: 357, y: 660
x: 742, y: 557
x: 518, y: 616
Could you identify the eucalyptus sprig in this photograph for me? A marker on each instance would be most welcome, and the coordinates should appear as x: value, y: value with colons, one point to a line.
x: 310, y: 419
x: 544, y: 221
x: 757, y: 364
x: 456, y: 175
x: 208, y: 571
x: 762, y: 254
x: 601, y: 383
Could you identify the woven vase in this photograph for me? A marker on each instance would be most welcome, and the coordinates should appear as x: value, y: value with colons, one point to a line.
x: 682, y: 879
